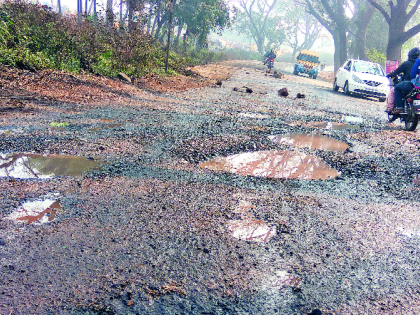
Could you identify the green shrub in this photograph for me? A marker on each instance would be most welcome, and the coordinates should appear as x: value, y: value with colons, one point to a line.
x: 376, y: 56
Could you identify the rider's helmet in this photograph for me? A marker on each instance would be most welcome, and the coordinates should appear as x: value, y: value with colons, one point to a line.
x: 414, y: 53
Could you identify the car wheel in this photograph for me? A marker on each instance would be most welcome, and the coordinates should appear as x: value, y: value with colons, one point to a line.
x: 382, y: 99
x: 314, y: 76
x: 335, y: 86
x: 346, y: 88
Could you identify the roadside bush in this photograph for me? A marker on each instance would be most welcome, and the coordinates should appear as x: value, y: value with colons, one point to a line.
x: 33, y: 37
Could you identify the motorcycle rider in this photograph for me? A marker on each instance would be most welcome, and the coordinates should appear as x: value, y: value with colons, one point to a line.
x: 269, y: 55
x: 405, y: 87
x: 405, y: 70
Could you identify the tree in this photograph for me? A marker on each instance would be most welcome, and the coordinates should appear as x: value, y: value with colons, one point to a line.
x: 200, y: 17
x: 332, y: 15
x: 255, y: 21
x: 397, y: 18
x: 302, y: 29
x: 362, y: 15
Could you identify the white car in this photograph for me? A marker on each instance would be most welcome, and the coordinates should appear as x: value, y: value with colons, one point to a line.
x: 362, y: 77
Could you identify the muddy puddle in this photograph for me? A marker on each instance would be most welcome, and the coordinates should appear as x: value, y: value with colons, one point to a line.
x: 43, y: 166
x: 310, y: 141
x: 248, y: 228
x: 328, y: 125
x: 40, y: 211
x: 273, y: 164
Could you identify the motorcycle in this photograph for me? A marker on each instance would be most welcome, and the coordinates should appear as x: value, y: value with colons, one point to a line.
x: 270, y: 63
x: 410, y: 115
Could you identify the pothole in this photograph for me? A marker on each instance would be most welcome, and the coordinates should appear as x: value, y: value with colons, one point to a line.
x: 248, y: 228
x: 273, y: 164
x: 42, y: 210
x: 251, y: 230
x: 43, y: 166
x: 310, y: 141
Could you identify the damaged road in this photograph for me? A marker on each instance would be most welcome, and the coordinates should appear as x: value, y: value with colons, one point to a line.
x: 142, y: 199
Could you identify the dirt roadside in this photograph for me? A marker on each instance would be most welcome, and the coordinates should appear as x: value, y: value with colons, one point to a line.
x: 149, y: 231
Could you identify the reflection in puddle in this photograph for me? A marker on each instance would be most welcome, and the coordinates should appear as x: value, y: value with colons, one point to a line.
x: 330, y: 125
x: 38, y: 211
x: 251, y: 230
x: 253, y: 115
x: 409, y: 232
x: 310, y: 141
x: 273, y: 164
x: 43, y: 166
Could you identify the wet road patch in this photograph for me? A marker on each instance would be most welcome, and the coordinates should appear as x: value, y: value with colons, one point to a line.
x: 310, y: 141
x: 330, y: 125
x: 43, y: 166
x: 273, y: 164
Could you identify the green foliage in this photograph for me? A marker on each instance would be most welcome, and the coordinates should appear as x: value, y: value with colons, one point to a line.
x: 376, y: 56
x: 33, y: 37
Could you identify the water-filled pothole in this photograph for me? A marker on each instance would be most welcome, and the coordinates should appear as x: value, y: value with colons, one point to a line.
x: 330, y: 125
x: 251, y: 230
x: 43, y: 166
x: 310, y: 141
x: 273, y: 164
x: 248, y: 228
x: 39, y: 211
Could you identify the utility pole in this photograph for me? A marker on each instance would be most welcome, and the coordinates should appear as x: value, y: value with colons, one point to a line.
x: 171, y: 4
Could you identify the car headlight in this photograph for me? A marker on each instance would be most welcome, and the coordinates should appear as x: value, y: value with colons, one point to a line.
x: 356, y: 79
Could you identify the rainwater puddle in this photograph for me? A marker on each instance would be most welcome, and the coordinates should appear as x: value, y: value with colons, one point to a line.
x: 278, y: 279
x: 409, y: 232
x: 42, y: 210
x: 253, y: 115
x: 251, y: 230
x: 273, y: 164
x: 310, y: 141
x: 43, y: 166
x: 248, y: 228
x: 352, y: 119
x: 330, y: 125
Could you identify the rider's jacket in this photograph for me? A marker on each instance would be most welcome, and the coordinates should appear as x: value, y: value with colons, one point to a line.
x: 404, y: 68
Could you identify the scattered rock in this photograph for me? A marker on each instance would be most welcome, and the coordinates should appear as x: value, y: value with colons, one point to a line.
x: 278, y: 75
x: 235, y: 89
x: 247, y: 72
x: 249, y: 90
x: 219, y: 82
x: 123, y: 77
x: 283, y: 92
x: 2, y: 242
x: 300, y: 95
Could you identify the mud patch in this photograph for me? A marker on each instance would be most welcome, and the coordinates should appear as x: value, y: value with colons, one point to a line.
x: 43, y: 166
x: 310, y: 141
x: 273, y: 164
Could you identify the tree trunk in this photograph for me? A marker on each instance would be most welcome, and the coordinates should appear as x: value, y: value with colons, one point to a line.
x: 59, y: 6
x: 109, y: 14
x: 95, y: 16
x: 362, y: 23
x: 79, y: 11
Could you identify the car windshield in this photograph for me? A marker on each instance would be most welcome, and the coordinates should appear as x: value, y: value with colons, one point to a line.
x: 368, y: 67
x: 308, y: 58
